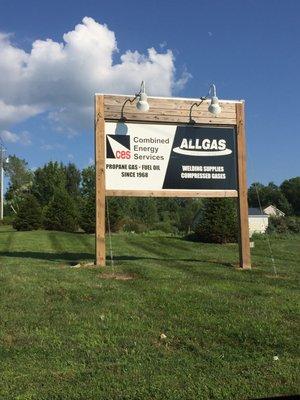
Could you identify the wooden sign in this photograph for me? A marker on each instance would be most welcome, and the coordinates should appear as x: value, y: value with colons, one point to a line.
x: 156, y: 158
x: 173, y: 150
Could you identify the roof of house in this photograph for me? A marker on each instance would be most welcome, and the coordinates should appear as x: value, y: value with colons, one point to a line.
x: 256, y: 211
x: 277, y: 211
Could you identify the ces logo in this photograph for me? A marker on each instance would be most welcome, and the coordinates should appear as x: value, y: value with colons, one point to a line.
x: 118, y: 146
x: 123, y: 154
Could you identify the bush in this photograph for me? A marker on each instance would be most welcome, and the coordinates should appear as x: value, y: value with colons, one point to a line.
x: 257, y: 236
x: 7, y: 220
x: 165, y: 226
x: 186, y: 215
x: 61, y: 213
x: 277, y: 225
x: 284, y: 225
x: 29, y: 216
x: 135, y: 226
x: 217, y: 221
x: 293, y: 224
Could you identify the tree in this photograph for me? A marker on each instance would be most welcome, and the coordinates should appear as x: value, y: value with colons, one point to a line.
x: 16, y: 169
x: 88, y: 200
x: 73, y: 178
x: 119, y: 208
x: 188, y: 211
x: 61, y: 213
x: 169, y: 209
x: 29, y: 215
x: 88, y: 183
x: 291, y: 190
x: 144, y: 210
x: 87, y: 219
x: 218, y: 221
x: 268, y: 195
x: 119, y: 212
x: 255, y: 192
x: 47, y: 180
x: 20, y: 181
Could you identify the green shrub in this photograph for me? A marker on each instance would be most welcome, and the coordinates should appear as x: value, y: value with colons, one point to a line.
x: 61, y: 213
x: 293, y: 224
x: 88, y: 214
x: 284, y: 225
x: 277, y: 225
x: 165, y: 226
x: 7, y: 220
x: 135, y: 226
x: 217, y: 222
x: 29, y: 216
x: 257, y: 236
x: 189, y: 208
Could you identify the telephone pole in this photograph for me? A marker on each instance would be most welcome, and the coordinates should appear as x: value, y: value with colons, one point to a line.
x: 1, y: 179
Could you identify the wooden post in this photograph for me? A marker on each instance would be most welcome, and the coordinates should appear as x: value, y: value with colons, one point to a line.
x: 100, y: 180
x: 244, y: 242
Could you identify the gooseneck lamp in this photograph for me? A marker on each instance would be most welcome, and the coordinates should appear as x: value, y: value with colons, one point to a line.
x: 142, y: 103
x: 214, y: 107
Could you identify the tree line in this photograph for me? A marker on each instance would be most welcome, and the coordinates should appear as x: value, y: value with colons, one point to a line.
x: 62, y: 197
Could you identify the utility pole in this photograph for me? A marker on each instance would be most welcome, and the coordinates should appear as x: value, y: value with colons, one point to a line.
x: 1, y: 179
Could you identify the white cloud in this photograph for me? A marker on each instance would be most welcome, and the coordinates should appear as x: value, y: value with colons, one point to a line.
x: 182, y: 81
x: 50, y: 147
x: 13, y: 113
x: 11, y: 137
x: 61, y: 78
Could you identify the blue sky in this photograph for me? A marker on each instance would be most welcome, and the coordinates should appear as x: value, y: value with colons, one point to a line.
x: 249, y: 48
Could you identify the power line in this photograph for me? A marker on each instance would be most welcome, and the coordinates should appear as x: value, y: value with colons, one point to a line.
x: 267, y: 236
x: 250, y: 163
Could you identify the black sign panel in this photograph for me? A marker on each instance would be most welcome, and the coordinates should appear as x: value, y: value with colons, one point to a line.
x: 202, y: 158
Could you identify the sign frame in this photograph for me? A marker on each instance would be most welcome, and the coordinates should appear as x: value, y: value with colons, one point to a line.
x: 172, y: 111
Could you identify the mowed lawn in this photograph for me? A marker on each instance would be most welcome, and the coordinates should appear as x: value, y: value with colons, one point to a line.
x: 74, y: 333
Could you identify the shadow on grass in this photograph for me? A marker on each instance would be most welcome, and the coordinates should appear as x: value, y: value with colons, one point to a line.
x: 135, y: 258
x: 292, y: 397
x: 64, y: 256
x: 76, y: 257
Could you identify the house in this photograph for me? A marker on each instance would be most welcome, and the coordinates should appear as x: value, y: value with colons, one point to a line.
x: 258, y: 221
x: 273, y: 211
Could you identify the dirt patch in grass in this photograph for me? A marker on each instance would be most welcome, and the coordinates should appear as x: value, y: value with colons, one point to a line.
x: 117, y: 276
x: 83, y: 264
x: 282, y: 277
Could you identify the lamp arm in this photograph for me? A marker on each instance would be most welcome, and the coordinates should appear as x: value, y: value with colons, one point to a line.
x: 191, y: 121
x: 212, y: 90
x: 143, y: 87
x: 125, y: 102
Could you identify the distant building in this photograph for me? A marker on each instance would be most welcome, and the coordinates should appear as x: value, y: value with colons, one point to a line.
x: 258, y: 221
x: 273, y: 211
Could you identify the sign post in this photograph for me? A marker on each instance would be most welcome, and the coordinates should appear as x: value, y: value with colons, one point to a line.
x: 166, y: 153
x: 244, y: 241
x: 100, y: 180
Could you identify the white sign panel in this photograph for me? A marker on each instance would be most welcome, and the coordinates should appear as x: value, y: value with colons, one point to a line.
x: 158, y: 157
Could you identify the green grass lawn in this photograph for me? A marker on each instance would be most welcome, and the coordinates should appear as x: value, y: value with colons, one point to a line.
x: 68, y: 333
